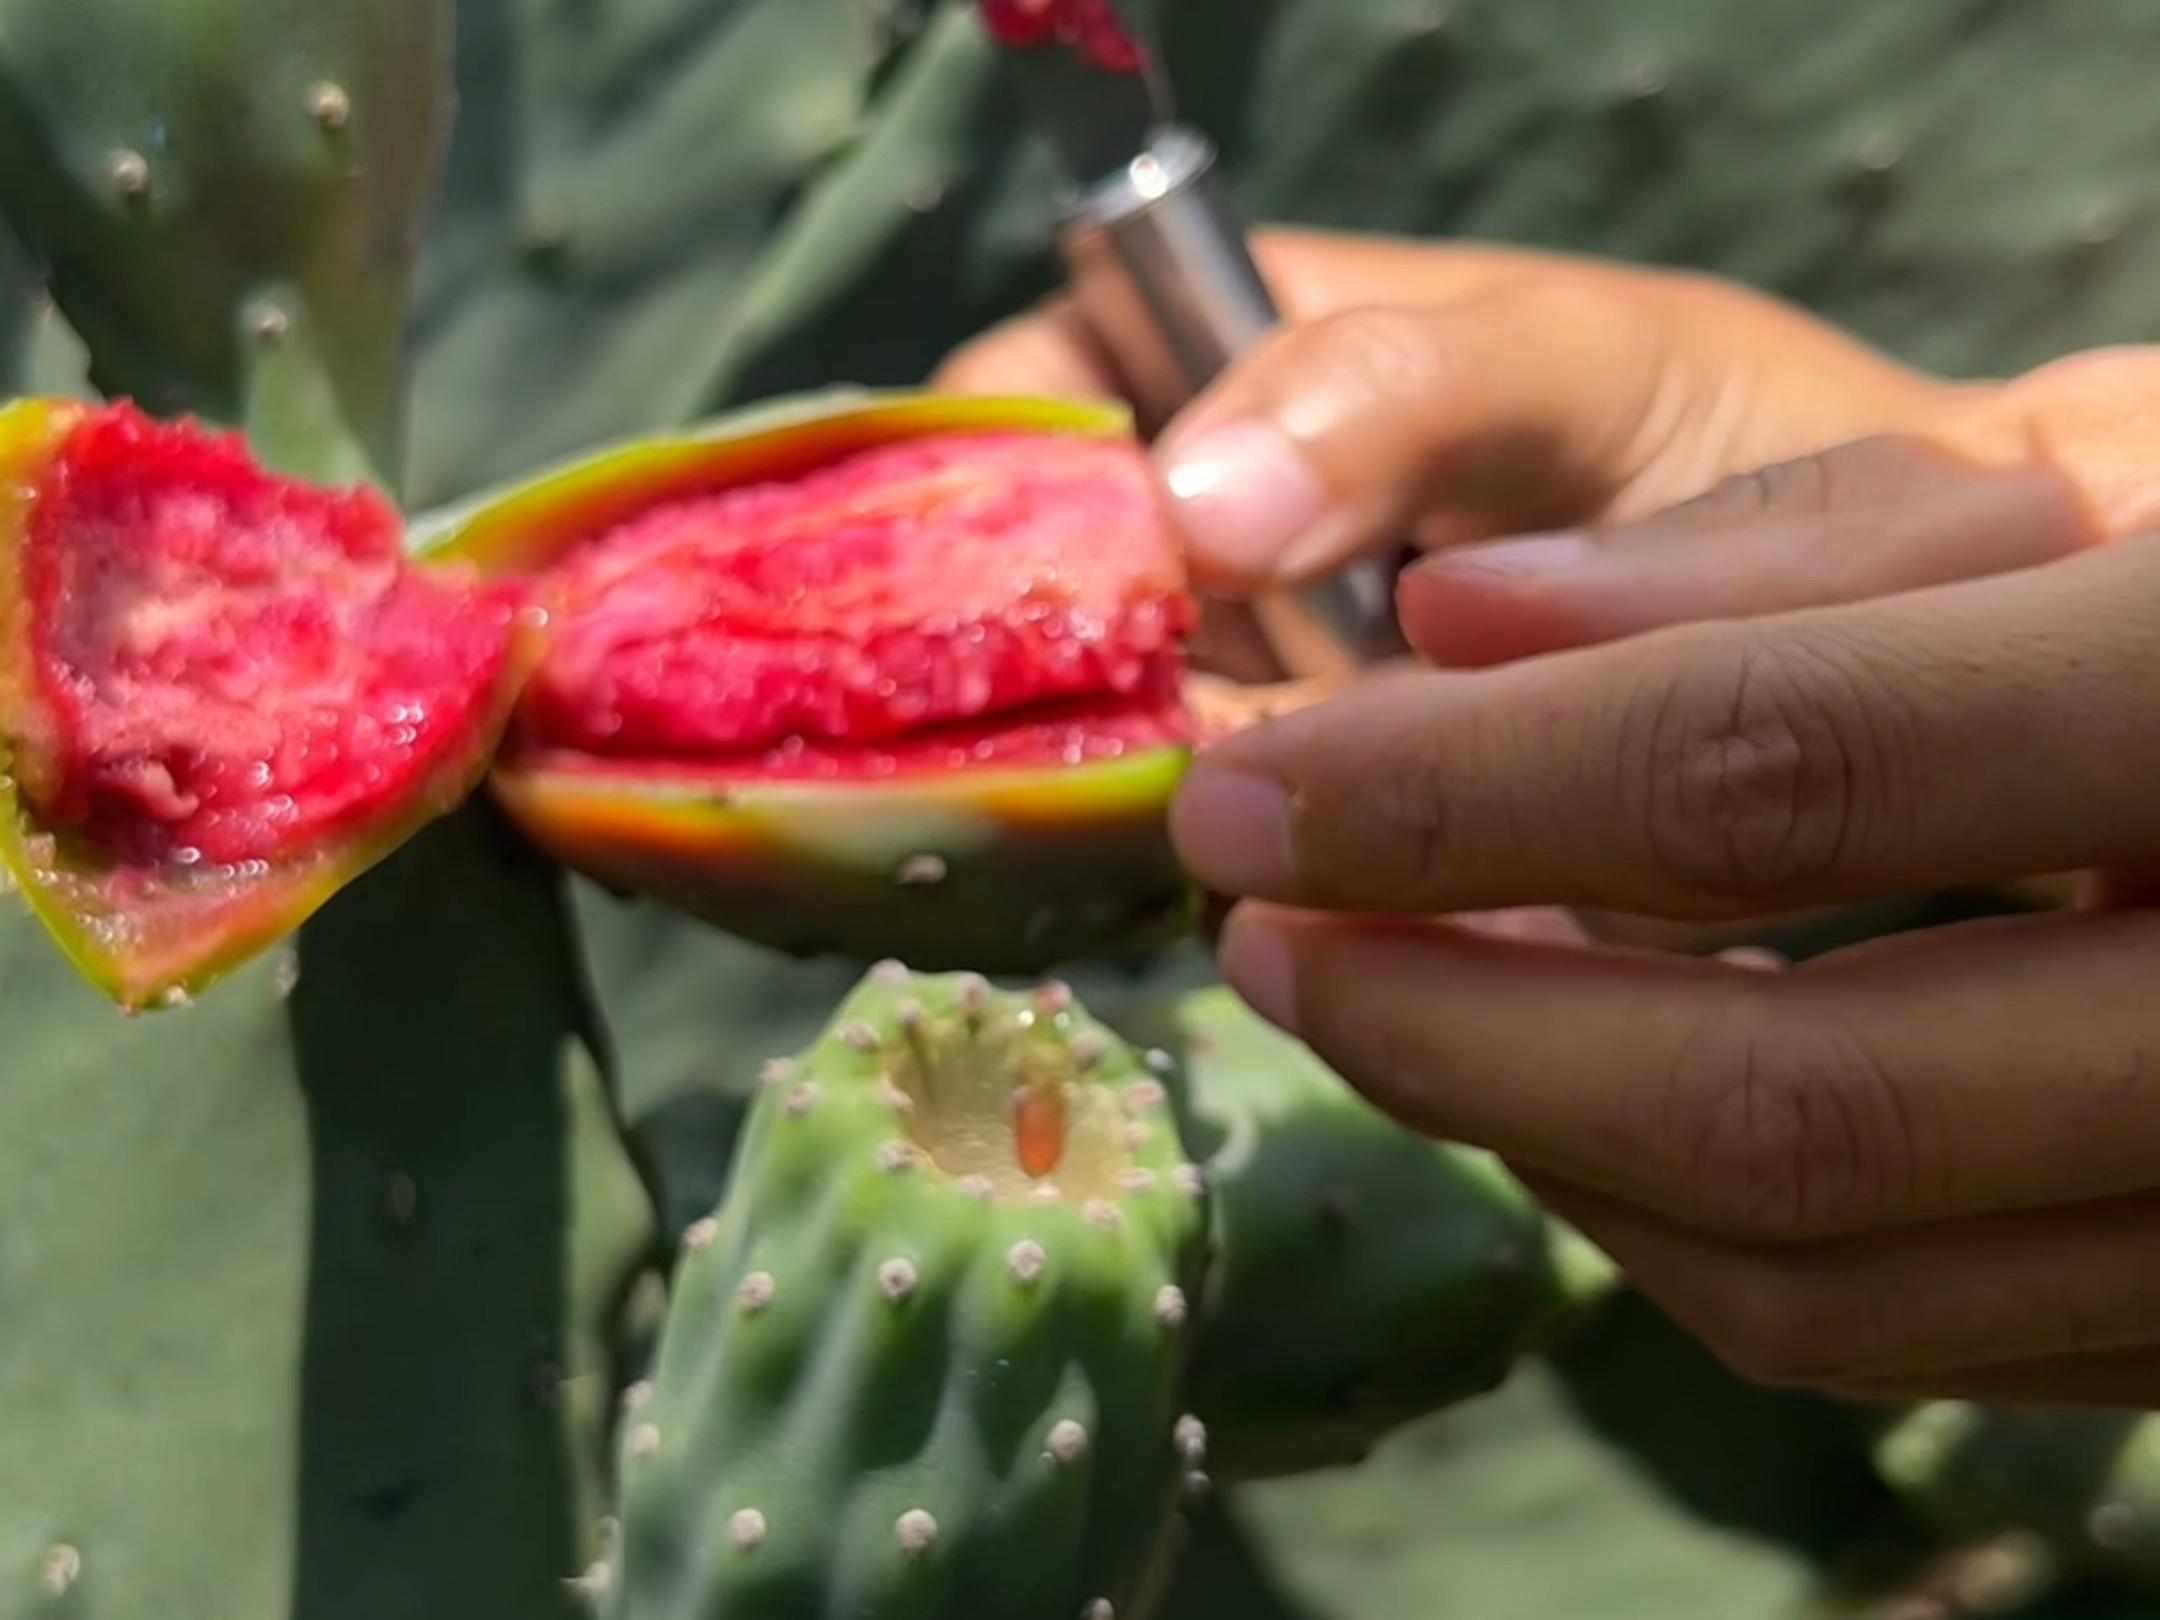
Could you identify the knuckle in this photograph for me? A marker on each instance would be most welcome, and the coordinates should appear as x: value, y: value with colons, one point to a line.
x: 1783, y: 1129
x: 1749, y: 772
x: 1805, y: 486
x: 1393, y: 355
x: 1568, y: 303
x: 1870, y: 472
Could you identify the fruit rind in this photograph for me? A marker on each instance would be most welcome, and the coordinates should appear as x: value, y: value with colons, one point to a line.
x: 1004, y: 872
x: 526, y: 524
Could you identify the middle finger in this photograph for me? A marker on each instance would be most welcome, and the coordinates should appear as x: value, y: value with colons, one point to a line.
x: 1999, y: 1065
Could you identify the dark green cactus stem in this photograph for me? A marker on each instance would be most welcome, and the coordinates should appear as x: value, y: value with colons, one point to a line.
x: 228, y: 196
x: 1363, y: 1276
x: 925, y: 1359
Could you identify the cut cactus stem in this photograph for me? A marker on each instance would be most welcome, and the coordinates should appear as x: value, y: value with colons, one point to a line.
x: 960, y: 1392
x: 224, y: 694
x: 888, y: 675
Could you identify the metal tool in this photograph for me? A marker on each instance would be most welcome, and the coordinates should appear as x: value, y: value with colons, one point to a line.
x: 1157, y: 261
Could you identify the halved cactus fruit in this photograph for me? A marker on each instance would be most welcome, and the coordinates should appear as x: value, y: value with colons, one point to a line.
x: 223, y: 693
x: 858, y: 675
x: 926, y: 1357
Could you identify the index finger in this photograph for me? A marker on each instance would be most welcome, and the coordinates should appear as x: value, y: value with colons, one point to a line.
x: 1969, y: 733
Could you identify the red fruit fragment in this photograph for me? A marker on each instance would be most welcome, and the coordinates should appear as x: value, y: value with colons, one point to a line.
x: 963, y: 598
x: 227, y: 692
x: 1091, y: 27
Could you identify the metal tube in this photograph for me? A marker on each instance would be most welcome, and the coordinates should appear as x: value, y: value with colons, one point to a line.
x: 1160, y: 269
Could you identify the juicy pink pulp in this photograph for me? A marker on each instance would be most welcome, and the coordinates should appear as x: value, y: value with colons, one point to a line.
x: 954, y: 599
x: 232, y: 665
x: 1089, y: 26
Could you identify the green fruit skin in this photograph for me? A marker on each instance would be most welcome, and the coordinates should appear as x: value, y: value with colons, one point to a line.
x: 858, y: 1337
x: 1363, y: 1276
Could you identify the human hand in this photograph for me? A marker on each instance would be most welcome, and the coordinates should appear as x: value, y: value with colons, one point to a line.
x: 1447, y: 393
x: 1920, y: 1167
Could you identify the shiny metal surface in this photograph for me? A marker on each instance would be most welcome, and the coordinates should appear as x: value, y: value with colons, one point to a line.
x: 1160, y: 269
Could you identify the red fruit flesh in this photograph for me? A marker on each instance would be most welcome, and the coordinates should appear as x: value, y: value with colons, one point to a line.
x: 955, y: 599
x: 230, y: 667
x: 1088, y: 26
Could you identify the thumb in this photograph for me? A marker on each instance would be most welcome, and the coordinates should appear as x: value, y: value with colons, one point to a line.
x: 1543, y: 402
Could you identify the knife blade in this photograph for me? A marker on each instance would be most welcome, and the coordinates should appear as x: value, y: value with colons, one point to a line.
x: 1157, y: 261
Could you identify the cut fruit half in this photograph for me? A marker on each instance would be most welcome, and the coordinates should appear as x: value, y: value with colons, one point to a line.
x: 895, y: 676
x: 223, y: 693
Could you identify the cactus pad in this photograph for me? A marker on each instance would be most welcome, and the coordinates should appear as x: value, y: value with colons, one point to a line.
x: 1364, y: 1276
x: 896, y: 678
x: 925, y: 1358
x: 228, y: 194
x: 222, y: 693
x: 2083, y: 1484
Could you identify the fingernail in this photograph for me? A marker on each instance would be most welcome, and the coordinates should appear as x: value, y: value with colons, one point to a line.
x: 1755, y: 958
x: 1556, y: 553
x: 1244, y: 495
x: 1232, y: 830
x: 1257, y: 963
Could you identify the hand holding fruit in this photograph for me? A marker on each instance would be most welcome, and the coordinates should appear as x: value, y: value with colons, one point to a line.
x: 1916, y: 651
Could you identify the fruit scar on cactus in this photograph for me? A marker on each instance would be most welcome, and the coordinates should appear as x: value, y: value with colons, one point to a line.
x: 896, y: 676
x: 927, y: 1356
x: 223, y: 693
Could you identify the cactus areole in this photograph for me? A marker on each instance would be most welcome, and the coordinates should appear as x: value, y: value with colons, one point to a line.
x: 871, y: 677
x: 222, y: 693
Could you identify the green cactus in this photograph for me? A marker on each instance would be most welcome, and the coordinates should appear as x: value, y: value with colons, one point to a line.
x: 2083, y: 1485
x: 925, y: 1359
x: 1363, y: 1276
x: 317, y: 1286
x: 228, y: 196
